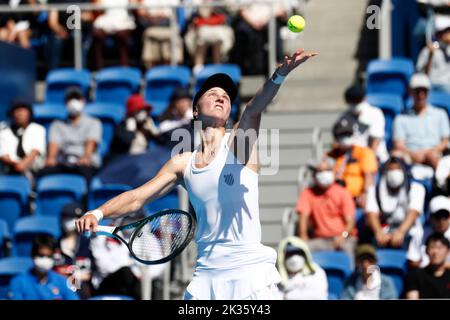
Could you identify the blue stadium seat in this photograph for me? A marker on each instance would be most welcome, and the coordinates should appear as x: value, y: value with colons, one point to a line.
x: 392, y: 262
x: 110, y: 115
x: 111, y: 297
x: 14, y: 192
x: 391, y: 105
x: 233, y: 70
x: 58, y: 80
x: 161, y: 81
x: 389, y: 76
x: 45, y: 114
x: 169, y: 201
x: 116, y: 84
x: 100, y: 194
x: 56, y: 190
x: 28, y: 228
x: 440, y: 100
x: 337, y: 266
x: 4, y: 236
x: 10, y: 267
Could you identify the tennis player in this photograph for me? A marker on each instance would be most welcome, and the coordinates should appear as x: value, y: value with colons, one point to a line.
x: 221, y: 177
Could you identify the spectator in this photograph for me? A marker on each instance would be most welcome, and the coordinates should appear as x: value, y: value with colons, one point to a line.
x: 433, y: 281
x: 366, y: 282
x: 301, y: 278
x: 16, y: 27
x: 158, y: 33
x: 330, y: 209
x: 41, y: 283
x: 178, y: 113
x: 132, y: 136
x: 73, y: 144
x: 22, y: 142
x: 434, y: 59
x: 369, y: 122
x: 422, y: 135
x: 61, y: 24
x: 355, y: 166
x: 116, y: 272
x: 208, y: 28
x: 440, y: 223
x: 251, y: 35
x: 442, y: 175
x: 73, y: 258
x: 116, y: 22
x: 394, y: 205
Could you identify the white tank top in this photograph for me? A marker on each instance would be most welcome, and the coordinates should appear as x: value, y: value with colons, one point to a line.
x: 231, y: 263
x: 224, y: 195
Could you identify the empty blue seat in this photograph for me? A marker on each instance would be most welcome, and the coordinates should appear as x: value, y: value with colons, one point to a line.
x: 28, y: 228
x: 337, y: 266
x: 10, y: 267
x: 58, y: 80
x: 440, y: 100
x: 391, y: 105
x: 14, y: 193
x: 100, y: 194
x: 169, y: 201
x: 56, y: 190
x: 389, y: 76
x: 161, y: 81
x: 393, y: 263
x: 116, y: 84
x: 232, y: 70
x: 4, y: 237
x: 110, y: 115
x: 45, y: 114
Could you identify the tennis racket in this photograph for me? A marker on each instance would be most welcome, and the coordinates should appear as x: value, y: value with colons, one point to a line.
x: 157, y: 238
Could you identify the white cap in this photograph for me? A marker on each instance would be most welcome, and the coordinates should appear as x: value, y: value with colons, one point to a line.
x: 439, y: 203
x: 442, y: 22
x: 420, y: 80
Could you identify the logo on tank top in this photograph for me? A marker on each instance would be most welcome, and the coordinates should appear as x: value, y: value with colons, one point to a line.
x: 229, y: 179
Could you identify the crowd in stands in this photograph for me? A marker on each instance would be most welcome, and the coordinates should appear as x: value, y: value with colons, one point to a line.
x: 374, y: 189
x: 236, y: 32
x: 384, y: 190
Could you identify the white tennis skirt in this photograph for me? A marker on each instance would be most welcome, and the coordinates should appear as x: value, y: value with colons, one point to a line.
x: 234, y: 271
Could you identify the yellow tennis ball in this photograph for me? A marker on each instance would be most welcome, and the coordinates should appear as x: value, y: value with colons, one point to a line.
x: 296, y: 23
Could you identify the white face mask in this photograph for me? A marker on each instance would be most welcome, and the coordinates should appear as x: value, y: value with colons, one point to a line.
x: 346, y: 141
x: 43, y: 264
x: 295, y: 263
x: 325, y: 178
x: 189, y: 114
x: 141, y: 116
x: 74, y: 107
x: 69, y: 225
x: 395, y: 178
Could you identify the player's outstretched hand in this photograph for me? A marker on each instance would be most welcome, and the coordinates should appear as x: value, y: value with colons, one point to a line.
x: 292, y: 62
x: 87, y: 223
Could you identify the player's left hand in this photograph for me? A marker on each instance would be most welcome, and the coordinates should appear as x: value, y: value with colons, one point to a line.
x: 292, y: 62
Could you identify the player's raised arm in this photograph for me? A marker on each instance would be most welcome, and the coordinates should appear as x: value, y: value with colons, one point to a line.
x: 266, y: 94
x: 168, y: 177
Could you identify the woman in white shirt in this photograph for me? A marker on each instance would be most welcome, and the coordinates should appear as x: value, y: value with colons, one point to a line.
x: 301, y: 278
x: 22, y: 142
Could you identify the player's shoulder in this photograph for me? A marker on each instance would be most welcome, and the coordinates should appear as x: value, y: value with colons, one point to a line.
x: 179, y: 161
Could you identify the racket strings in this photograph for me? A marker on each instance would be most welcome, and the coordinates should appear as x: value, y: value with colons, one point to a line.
x: 161, y: 237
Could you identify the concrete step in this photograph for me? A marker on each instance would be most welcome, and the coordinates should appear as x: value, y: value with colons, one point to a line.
x: 277, y: 195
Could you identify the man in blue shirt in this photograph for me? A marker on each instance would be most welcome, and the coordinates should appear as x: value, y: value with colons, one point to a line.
x: 422, y: 135
x: 40, y: 283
